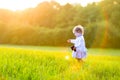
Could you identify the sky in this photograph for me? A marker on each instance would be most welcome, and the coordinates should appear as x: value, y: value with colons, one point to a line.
x: 23, y: 4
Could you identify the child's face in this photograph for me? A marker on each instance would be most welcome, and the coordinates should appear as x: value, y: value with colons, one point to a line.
x: 77, y: 34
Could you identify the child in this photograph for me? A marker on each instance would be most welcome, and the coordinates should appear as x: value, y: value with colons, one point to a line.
x: 79, y: 49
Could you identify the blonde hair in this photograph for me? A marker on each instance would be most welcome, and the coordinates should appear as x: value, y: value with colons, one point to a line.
x: 78, y: 29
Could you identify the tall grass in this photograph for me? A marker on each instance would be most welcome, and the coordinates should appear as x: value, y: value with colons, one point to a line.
x: 51, y: 64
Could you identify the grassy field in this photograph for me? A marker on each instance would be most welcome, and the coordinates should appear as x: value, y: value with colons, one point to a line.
x: 50, y: 63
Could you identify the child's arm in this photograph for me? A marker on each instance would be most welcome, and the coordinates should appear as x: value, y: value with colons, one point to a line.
x: 71, y: 41
x: 78, y: 42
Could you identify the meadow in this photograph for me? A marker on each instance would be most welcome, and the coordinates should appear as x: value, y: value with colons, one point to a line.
x: 56, y: 63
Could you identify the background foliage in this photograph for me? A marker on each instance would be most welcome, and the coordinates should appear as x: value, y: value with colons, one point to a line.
x: 51, y: 24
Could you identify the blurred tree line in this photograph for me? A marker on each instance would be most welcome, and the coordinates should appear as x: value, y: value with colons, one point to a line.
x: 51, y: 24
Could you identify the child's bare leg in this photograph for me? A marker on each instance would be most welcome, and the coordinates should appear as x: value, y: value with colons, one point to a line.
x: 79, y: 59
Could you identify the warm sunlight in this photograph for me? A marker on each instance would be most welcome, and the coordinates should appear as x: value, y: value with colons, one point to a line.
x: 23, y: 4
x: 67, y: 57
x: 18, y: 4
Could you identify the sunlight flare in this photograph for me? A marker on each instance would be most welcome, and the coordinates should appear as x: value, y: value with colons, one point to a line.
x: 24, y: 4
x: 67, y: 57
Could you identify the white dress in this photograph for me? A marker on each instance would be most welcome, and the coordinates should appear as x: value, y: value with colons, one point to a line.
x: 81, y: 50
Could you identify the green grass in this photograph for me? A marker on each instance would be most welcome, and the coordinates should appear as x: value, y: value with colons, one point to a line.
x: 49, y: 63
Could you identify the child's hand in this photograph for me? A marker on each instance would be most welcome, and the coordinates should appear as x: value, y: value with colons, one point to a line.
x: 68, y: 40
